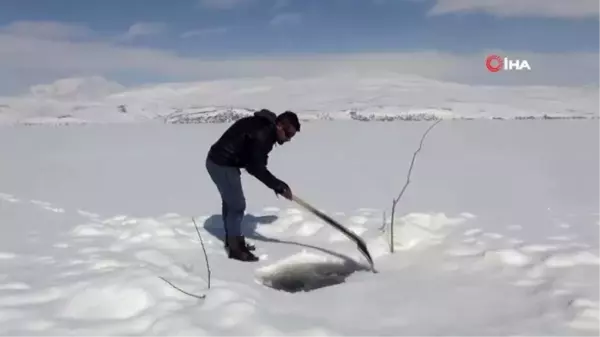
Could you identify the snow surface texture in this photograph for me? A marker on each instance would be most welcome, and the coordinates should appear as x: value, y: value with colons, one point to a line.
x: 384, y: 98
x: 497, y: 233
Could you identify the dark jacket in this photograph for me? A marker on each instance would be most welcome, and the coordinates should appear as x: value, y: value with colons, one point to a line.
x: 247, y: 144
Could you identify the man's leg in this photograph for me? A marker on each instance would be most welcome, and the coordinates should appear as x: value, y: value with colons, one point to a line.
x: 224, y: 213
x: 235, y: 202
x: 229, y: 184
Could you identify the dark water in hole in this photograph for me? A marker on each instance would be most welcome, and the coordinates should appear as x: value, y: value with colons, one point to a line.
x: 309, y: 276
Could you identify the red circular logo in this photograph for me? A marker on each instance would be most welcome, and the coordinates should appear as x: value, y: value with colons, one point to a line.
x: 489, y: 63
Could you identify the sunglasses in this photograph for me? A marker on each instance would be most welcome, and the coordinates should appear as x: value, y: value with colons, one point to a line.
x: 288, y: 131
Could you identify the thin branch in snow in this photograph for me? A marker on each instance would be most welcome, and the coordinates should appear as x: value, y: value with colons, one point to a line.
x: 207, y: 267
x: 395, y: 201
x: 204, y: 250
x: 201, y: 297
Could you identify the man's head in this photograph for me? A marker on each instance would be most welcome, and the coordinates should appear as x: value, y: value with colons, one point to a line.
x: 287, y: 125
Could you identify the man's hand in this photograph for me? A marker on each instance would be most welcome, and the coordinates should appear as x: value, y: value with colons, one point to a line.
x: 284, y: 190
x: 287, y: 193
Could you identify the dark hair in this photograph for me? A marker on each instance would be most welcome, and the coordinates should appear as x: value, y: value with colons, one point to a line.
x: 289, y: 117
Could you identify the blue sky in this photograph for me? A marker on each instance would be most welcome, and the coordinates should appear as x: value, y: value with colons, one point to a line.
x: 187, y: 31
x: 270, y: 26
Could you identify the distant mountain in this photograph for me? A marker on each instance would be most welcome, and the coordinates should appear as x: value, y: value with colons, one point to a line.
x: 392, y: 98
x: 206, y: 115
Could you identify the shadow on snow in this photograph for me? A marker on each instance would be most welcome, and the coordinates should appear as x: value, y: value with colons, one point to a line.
x: 293, y: 277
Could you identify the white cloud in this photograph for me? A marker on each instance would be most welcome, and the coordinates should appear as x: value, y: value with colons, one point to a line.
x: 501, y: 8
x: 280, y: 4
x: 46, y: 30
x: 223, y: 4
x: 67, y: 56
x: 520, y: 8
x: 204, y: 32
x: 144, y: 29
x: 26, y: 60
x: 286, y: 19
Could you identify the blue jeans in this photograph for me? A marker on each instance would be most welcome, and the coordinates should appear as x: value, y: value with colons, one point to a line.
x: 233, y: 203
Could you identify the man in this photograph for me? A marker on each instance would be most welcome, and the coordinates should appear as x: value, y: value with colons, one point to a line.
x: 247, y: 144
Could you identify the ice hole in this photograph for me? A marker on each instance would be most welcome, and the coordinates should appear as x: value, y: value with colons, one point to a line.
x: 306, y: 275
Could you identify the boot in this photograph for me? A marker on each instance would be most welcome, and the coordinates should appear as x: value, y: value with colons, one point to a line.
x: 247, y: 245
x: 237, y: 250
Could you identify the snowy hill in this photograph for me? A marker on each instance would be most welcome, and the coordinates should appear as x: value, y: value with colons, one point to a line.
x: 95, y: 100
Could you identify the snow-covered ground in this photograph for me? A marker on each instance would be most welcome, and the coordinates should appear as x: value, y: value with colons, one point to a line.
x: 383, y: 97
x: 497, y: 232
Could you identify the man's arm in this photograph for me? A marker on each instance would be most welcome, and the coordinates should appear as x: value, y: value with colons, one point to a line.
x: 257, y: 165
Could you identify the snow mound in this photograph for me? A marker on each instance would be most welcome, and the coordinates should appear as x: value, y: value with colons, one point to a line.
x: 420, y: 229
x: 109, y: 301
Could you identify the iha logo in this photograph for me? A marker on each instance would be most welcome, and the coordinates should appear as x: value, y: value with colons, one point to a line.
x: 495, y: 63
